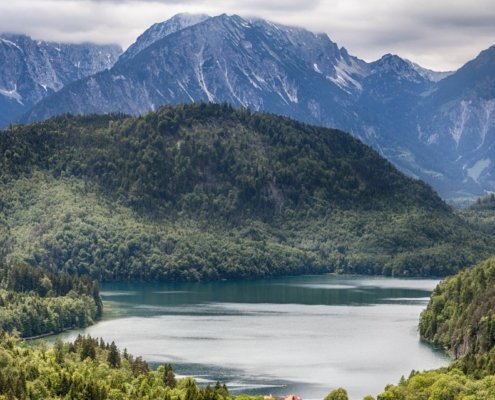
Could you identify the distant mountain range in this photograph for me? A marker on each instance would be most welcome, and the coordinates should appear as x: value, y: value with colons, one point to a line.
x: 31, y: 70
x: 437, y: 126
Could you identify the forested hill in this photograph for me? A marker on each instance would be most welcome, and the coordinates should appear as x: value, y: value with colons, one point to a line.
x: 206, y: 191
x: 461, y: 317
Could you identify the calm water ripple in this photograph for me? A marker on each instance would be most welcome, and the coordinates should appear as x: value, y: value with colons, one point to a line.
x: 304, y: 335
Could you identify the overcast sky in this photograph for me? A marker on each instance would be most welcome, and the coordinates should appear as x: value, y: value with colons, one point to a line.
x: 438, y: 34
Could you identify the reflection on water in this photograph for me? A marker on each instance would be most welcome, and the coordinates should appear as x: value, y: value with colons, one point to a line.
x: 303, y: 335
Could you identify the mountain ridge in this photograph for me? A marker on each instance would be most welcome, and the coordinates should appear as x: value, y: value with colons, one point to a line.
x: 391, y: 104
x: 31, y: 70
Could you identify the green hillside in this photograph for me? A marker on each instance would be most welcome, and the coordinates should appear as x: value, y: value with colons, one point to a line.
x: 90, y: 369
x: 461, y: 317
x: 209, y: 192
x: 34, y: 302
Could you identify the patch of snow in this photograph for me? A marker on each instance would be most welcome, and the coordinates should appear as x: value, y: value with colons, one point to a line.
x: 260, y: 79
x: 458, y: 129
x: 487, y: 108
x: 343, y: 75
x: 432, y: 139
x: 160, y: 93
x: 9, y: 43
x: 248, y: 76
x: 247, y: 44
x: 185, y: 90
x: 13, y: 94
x: 315, y: 67
x: 229, y: 85
x: 200, y: 75
x: 477, y: 169
x: 118, y: 78
x: 290, y: 90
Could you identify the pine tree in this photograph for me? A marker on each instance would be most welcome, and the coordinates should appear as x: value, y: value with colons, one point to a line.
x: 113, y: 356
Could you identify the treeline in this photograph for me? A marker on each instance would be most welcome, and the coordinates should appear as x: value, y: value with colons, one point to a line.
x: 205, y: 192
x: 35, y: 302
x: 90, y: 369
x: 484, y: 203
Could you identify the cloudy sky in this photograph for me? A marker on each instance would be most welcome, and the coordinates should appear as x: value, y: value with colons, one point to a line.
x: 438, y: 34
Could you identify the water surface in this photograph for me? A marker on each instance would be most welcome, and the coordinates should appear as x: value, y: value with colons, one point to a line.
x: 304, y: 335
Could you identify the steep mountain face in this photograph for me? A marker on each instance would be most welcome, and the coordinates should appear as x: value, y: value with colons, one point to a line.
x: 31, y: 70
x: 458, y: 120
x: 434, y: 126
x: 284, y: 70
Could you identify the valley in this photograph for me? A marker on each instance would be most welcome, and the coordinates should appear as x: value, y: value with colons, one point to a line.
x: 229, y: 208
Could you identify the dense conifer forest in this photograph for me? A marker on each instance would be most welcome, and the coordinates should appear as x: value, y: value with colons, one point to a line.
x: 205, y: 192
x: 35, y: 302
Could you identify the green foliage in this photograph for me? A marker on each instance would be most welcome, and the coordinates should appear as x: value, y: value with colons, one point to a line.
x: 482, y: 219
x: 35, y: 302
x: 441, y: 385
x: 34, y: 372
x: 461, y: 312
x: 113, y: 356
x: 208, y: 192
x: 337, y: 394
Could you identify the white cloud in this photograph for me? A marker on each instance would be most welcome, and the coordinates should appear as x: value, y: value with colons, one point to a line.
x: 440, y: 34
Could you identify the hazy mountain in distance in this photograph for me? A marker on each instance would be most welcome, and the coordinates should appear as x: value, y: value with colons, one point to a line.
x: 30, y: 70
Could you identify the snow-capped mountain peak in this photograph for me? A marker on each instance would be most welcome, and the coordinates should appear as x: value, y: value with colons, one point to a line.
x: 160, y: 30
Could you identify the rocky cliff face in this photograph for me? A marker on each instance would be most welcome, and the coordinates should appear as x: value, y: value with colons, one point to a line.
x: 435, y: 126
x: 31, y: 70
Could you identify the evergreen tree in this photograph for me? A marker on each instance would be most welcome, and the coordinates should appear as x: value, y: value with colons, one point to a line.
x: 113, y: 356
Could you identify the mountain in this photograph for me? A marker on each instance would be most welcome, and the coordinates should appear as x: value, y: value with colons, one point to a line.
x: 433, y: 76
x: 413, y: 116
x: 284, y: 70
x: 160, y: 30
x: 458, y: 120
x: 206, y: 191
x: 31, y: 70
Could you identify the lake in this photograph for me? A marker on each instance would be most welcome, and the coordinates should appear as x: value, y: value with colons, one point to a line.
x: 304, y: 335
